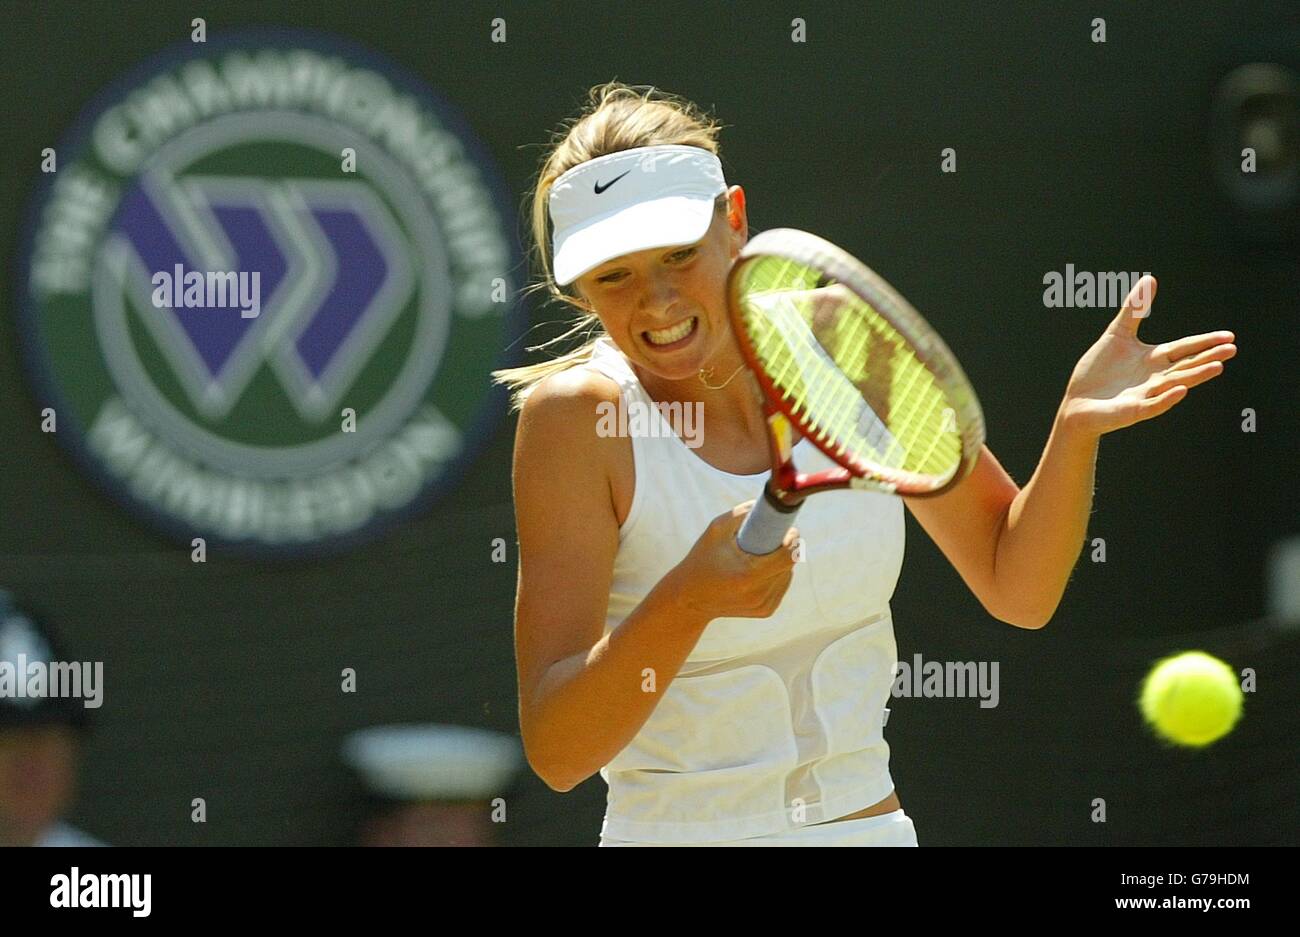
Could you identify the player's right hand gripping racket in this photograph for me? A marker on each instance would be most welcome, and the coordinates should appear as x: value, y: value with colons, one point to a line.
x: 845, y: 361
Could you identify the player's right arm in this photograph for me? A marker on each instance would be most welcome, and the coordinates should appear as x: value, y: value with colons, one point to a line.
x: 581, y: 697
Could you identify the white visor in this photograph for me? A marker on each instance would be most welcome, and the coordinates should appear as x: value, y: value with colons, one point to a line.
x: 633, y: 200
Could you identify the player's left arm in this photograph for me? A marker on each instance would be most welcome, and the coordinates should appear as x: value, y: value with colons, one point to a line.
x: 1015, y: 547
x: 966, y: 523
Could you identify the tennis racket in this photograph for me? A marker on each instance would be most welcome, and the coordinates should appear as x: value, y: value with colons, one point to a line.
x: 843, y: 360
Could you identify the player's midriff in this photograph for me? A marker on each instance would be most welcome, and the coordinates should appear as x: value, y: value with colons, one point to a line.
x: 888, y: 805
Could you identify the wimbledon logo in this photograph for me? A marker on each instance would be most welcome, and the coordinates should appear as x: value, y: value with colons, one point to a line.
x: 264, y: 291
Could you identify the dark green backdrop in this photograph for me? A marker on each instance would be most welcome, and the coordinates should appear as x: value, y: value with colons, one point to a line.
x: 222, y: 679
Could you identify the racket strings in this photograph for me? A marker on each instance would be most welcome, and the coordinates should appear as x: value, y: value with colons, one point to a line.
x: 845, y: 371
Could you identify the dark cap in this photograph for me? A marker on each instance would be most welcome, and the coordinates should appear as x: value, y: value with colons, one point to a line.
x: 23, y: 638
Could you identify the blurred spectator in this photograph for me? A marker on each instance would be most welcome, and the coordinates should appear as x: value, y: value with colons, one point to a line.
x: 41, y: 738
x: 432, y: 785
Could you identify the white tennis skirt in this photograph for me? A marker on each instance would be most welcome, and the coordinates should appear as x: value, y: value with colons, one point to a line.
x: 888, y: 829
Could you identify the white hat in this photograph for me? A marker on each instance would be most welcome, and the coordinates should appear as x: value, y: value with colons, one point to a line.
x: 632, y: 200
x: 433, y: 762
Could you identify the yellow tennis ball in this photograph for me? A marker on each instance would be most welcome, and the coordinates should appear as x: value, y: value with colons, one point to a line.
x: 1191, y: 699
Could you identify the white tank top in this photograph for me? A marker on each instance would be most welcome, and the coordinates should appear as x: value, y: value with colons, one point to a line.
x: 772, y: 723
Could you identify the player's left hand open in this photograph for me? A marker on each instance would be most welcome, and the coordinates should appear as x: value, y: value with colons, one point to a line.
x: 1121, y: 380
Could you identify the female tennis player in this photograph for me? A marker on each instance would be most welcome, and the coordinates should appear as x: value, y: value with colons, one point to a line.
x: 727, y: 698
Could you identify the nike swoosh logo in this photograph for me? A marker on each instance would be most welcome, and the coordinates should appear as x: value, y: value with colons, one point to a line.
x: 601, y: 188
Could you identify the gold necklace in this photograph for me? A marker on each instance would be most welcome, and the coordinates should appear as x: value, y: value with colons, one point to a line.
x: 705, y: 374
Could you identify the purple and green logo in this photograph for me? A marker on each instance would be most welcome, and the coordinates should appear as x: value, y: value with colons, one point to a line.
x: 265, y: 289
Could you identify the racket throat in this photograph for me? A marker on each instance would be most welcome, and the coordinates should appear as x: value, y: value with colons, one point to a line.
x: 781, y: 499
x: 782, y: 491
x: 787, y: 487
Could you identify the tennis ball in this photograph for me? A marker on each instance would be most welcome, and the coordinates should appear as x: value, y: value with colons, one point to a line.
x: 1191, y: 699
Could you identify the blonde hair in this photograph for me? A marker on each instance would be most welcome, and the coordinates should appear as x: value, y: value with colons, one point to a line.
x: 617, y: 117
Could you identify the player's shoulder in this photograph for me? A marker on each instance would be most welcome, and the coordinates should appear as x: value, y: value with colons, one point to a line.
x: 569, y: 399
x: 560, y: 437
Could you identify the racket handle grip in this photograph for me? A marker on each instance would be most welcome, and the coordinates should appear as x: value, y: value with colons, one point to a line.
x: 765, y: 527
